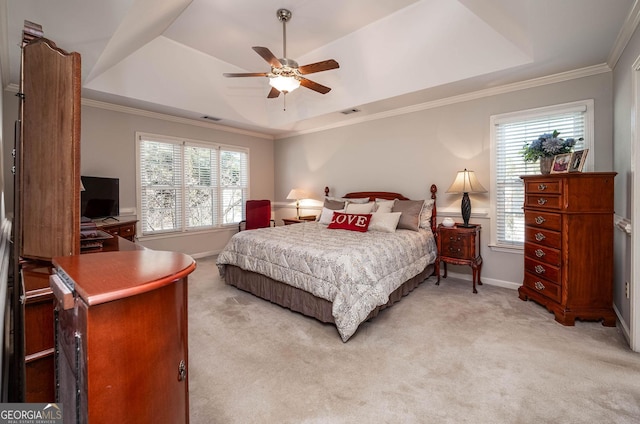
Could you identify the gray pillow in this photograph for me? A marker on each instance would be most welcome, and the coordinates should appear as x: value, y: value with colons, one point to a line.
x: 410, y: 218
x: 334, y: 205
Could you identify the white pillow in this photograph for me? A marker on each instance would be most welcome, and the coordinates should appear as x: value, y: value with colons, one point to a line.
x: 425, y: 214
x: 384, y: 221
x: 384, y: 205
x: 359, y: 207
x: 327, y: 215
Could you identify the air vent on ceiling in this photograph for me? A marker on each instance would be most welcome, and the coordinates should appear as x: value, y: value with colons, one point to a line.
x: 211, y: 118
x: 350, y: 111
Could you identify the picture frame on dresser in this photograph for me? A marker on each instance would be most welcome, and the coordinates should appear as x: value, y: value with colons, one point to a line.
x: 561, y: 163
x: 578, y: 158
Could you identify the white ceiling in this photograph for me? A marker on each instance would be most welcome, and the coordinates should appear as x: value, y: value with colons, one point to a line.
x: 169, y: 55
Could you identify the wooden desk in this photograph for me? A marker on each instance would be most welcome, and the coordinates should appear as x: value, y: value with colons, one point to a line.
x: 122, y: 226
x: 37, y: 312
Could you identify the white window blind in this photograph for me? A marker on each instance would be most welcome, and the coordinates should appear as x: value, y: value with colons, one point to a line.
x: 185, y: 185
x: 510, y: 134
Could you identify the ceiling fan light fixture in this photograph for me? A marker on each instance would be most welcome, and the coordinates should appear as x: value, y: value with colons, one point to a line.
x: 284, y: 84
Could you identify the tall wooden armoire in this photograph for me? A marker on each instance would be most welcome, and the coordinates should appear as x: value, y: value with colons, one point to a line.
x: 47, y: 204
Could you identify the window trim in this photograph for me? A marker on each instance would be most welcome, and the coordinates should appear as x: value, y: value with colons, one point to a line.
x: 589, y: 135
x: 183, y: 230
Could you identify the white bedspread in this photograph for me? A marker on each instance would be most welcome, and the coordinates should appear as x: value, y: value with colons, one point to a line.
x: 355, y: 271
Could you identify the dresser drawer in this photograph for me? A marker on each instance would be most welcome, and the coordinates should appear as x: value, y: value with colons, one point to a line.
x: 543, y: 237
x: 543, y: 201
x: 542, y: 270
x: 548, y: 185
x: 542, y: 253
x: 547, y: 288
x: 548, y: 220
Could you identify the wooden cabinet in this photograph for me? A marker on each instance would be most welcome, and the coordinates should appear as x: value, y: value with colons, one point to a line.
x: 46, y: 206
x: 125, y: 228
x: 122, y: 336
x: 568, y: 251
x: 48, y: 155
x: 460, y: 245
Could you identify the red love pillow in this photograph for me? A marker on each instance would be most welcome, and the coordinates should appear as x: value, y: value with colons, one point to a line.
x: 350, y: 221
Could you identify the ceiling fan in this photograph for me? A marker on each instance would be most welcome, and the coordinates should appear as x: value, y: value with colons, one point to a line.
x: 286, y: 75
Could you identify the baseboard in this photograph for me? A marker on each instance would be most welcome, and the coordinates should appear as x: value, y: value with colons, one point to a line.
x: 485, y: 280
x: 201, y: 255
x: 623, y: 325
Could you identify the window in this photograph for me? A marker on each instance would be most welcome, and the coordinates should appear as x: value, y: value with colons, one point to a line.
x: 509, y: 133
x: 185, y: 185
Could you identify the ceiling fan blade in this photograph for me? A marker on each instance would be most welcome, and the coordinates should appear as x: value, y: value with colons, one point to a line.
x: 314, y: 86
x: 325, y: 65
x: 268, y: 56
x: 273, y: 93
x: 246, y: 74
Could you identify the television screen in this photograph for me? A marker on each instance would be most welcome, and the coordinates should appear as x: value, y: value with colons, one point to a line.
x: 100, y: 198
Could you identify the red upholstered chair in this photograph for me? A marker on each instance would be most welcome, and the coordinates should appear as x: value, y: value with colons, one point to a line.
x: 258, y: 215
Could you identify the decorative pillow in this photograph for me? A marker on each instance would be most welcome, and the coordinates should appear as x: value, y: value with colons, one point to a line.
x: 410, y: 218
x: 326, y: 215
x: 351, y: 222
x: 384, y: 205
x: 334, y: 204
x: 359, y: 207
x: 425, y: 215
x: 384, y: 221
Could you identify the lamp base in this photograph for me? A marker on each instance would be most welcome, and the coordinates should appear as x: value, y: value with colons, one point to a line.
x: 466, y: 209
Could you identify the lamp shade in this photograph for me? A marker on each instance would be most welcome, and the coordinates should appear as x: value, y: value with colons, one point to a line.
x: 297, y: 194
x: 466, y: 182
x: 284, y: 84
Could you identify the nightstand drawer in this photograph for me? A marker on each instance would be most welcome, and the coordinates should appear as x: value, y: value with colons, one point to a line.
x: 548, y: 220
x: 543, y: 237
x: 542, y: 270
x: 542, y: 253
x: 551, y: 290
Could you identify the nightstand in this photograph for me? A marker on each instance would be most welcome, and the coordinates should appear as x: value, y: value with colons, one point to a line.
x: 459, y: 245
x: 289, y: 221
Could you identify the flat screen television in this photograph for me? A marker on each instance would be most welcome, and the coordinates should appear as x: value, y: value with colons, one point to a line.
x: 100, y: 198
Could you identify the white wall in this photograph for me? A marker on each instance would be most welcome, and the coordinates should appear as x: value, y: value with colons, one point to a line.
x: 622, y: 151
x: 108, y: 150
x: 408, y: 153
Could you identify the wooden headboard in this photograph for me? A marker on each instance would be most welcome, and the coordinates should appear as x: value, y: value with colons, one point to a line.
x: 387, y: 195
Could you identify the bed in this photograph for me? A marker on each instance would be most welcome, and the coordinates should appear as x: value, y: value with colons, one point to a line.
x: 333, y: 275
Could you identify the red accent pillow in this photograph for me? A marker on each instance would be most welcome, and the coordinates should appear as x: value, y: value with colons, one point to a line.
x: 350, y: 221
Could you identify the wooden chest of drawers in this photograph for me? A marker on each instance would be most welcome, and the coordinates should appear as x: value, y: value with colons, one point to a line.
x: 568, y: 251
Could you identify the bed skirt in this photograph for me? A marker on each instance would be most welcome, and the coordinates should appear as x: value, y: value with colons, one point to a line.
x: 304, y: 302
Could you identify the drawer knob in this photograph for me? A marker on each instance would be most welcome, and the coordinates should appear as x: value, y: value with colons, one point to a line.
x: 540, y: 236
x: 539, y: 285
x: 540, y: 220
x: 542, y: 187
x: 539, y: 253
x: 542, y: 201
x: 539, y: 269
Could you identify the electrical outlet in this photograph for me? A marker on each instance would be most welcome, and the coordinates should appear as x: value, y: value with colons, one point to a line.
x: 626, y: 289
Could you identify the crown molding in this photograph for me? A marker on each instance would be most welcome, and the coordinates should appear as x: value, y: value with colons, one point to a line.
x: 162, y: 116
x: 474, y: 95
x: 625, y: 34
x: 171, y: 118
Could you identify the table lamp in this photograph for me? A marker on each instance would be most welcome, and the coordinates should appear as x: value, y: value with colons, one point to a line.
x: 466, y: 182
x: 297, y: 194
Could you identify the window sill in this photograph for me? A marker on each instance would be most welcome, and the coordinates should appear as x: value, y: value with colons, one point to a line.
x: 187, y: 233
x: 503, y: 248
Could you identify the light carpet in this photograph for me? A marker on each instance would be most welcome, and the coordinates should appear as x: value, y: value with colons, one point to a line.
x: 441, y: 355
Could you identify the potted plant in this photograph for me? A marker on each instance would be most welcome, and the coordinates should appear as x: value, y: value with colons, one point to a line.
x: 546, y: 147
